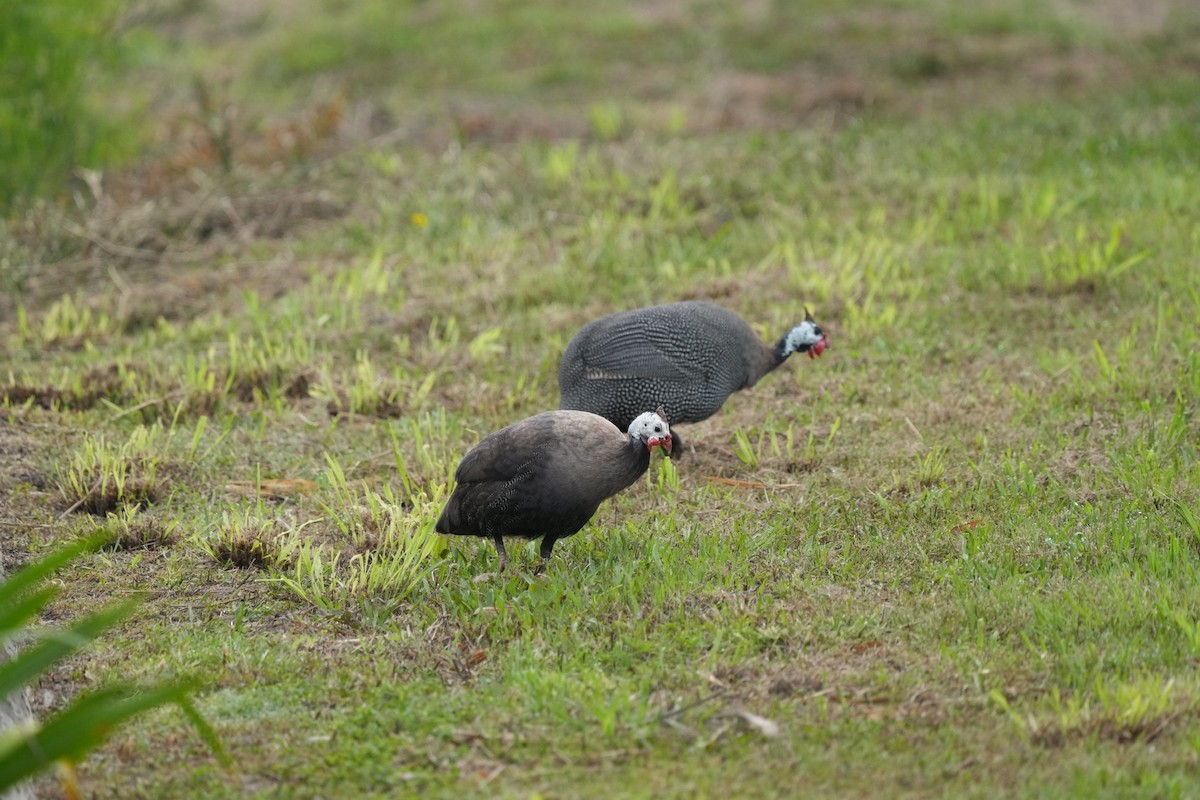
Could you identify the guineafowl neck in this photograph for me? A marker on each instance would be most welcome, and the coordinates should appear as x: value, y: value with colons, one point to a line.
x: 635, y: 463
x: 772, y: 357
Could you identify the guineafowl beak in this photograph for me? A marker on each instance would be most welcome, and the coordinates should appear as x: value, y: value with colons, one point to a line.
x: 660, y: 441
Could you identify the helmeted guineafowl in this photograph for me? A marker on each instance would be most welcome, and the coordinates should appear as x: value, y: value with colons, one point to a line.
x: 546, y: 476
x: 688, y: 357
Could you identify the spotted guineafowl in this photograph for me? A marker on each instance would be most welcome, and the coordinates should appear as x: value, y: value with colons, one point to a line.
x: 546, y: 476
x: 687, y: 357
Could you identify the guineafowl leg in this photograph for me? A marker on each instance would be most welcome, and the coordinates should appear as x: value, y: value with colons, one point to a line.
x: 547, y: 549
x: 499, y: 540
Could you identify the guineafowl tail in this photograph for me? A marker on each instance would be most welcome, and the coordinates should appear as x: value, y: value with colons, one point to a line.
x: 448, y: 521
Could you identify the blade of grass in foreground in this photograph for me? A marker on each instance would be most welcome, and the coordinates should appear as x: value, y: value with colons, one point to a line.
x: 88, y: 722
x: 58, y: 645
x: 30, y: 748
x: 12, y: 587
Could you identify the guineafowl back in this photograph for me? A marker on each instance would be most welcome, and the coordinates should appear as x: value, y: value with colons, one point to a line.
x: 688, y: 357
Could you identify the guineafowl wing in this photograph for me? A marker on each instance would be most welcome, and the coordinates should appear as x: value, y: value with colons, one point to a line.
x: 629, y: 352
x: 500, y: 458
x: 491, y: 479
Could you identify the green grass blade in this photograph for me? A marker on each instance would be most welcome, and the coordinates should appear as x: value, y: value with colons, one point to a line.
x: 39, y: 570
x: 204, y: 729
x: 36, y: 660
x: 14, y: 616
x: 84, y: 725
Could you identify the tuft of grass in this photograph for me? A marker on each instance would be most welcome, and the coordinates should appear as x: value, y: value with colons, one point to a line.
x: 245, y: 540
x: 368, y: 586
x: 813, y: 446
x: 744, y: 449
x: 423, y: 455
x: 102, y: 475
x: 385, y: 549
x: 606, y: 120
x: 67, y: 322
x: 928, y: 470
x: 1086, y: 264
x: 365, y: 392
x: 1120, y: 711
x: 129, y: 528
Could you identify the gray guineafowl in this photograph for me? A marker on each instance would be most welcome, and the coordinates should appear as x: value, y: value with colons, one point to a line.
x: 688, y: 357
x: 546, y: 476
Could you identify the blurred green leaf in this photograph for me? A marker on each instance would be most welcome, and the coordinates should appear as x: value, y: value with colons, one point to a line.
x: 47, y: 127
x: 12, y: 587
x: 57, y: 646
x: 28, y: 749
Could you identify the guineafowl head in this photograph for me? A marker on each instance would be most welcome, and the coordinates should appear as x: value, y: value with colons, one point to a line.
x: 807, y: 337
x: 652, y: 430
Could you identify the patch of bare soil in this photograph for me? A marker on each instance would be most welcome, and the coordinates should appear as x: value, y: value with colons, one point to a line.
x: 846, y: 680
x: 157, y: 255
x: 22, y: 483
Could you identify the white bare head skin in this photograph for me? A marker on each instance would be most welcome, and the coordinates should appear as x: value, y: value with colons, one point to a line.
x: 651, y: 429
x: 807, y: 337
x: 802, y: 337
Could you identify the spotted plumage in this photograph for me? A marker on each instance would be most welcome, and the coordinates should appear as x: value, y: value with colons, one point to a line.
x: 688, y: 357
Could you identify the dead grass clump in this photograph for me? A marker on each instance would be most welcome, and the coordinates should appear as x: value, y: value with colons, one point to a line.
x: 1144, y: 730
x: 383, y: 404
x: 299, y: 386
x: 40, y: 396
x: 245, y: 547
x: 133, y: 531
x: 1084, y: 287
x: 103, y: 497
x: 116, y: 383
x: 803, y: 466
x: 799, y: 684
x: 252, y: 383
x: 270, y: 215
x: 370, y: 531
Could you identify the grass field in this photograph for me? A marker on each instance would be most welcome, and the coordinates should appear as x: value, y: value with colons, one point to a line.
x: 958, y: 556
